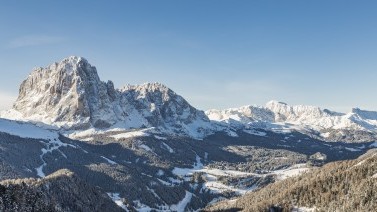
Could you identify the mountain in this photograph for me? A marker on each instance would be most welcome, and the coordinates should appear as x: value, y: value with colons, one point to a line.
x: 150, y: 150
x: 70, y: 95
x: 339, y: 186
x: 358, y: 125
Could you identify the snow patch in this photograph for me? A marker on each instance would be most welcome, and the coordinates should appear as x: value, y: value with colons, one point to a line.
x: 118, y: 200
x: 146, y: 148
x: 303, y: 209
x: 130, y: 135
x: 160, y: 137
x: 255, y: 132
x: 168, y: 147
x: 160, y: 173
x: 180, y: 207
x: 352, y: 149
x: 109, y: 161
x: 292, y: 171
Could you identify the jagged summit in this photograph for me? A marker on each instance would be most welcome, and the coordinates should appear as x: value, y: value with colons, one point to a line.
x: 70, y: 94
x: 68, y: 65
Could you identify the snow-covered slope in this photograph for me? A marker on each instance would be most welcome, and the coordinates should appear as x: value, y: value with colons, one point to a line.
x: 71, y: 96
x: 302, y: 118
x: 26, y: 130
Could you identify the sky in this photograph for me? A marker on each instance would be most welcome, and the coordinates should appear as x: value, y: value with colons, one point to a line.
x: 215, y: 53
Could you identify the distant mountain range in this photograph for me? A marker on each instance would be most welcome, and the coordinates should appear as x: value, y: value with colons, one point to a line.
x: 70, y: 96
x: 358, y: 125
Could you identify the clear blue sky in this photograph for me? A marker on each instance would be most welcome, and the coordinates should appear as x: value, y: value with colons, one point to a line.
x: 215, y: 53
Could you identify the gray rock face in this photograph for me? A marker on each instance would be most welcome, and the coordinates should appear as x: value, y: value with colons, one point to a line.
x: 70, y: 94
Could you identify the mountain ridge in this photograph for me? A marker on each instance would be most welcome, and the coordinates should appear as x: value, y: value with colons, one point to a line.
x: 281, y: 116
x: 70, y: 95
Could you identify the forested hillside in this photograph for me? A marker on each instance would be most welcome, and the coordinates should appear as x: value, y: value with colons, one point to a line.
x: 340, y: 186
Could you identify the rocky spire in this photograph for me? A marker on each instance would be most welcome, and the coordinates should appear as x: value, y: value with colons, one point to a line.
x: 69, y: 91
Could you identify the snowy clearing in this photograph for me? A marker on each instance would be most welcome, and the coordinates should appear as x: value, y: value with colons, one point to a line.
x: 291, y: 171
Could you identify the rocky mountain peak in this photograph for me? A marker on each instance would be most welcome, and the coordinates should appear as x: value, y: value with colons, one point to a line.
x: 69, y: 94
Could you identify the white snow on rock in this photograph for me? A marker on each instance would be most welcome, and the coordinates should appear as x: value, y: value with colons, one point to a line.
x: 232, y: 133
x: 140, y: 207
x: 160, y: 173
x: 171, y: 150
x: 160, y: 137
x: 118, y: 200
x: 352, y: 149
x: 146, y: 148
x: 130, y: 135
x: 115, y: 133
x: 109, y: 161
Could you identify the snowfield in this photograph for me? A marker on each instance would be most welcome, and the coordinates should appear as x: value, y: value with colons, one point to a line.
x: 26, y: 130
